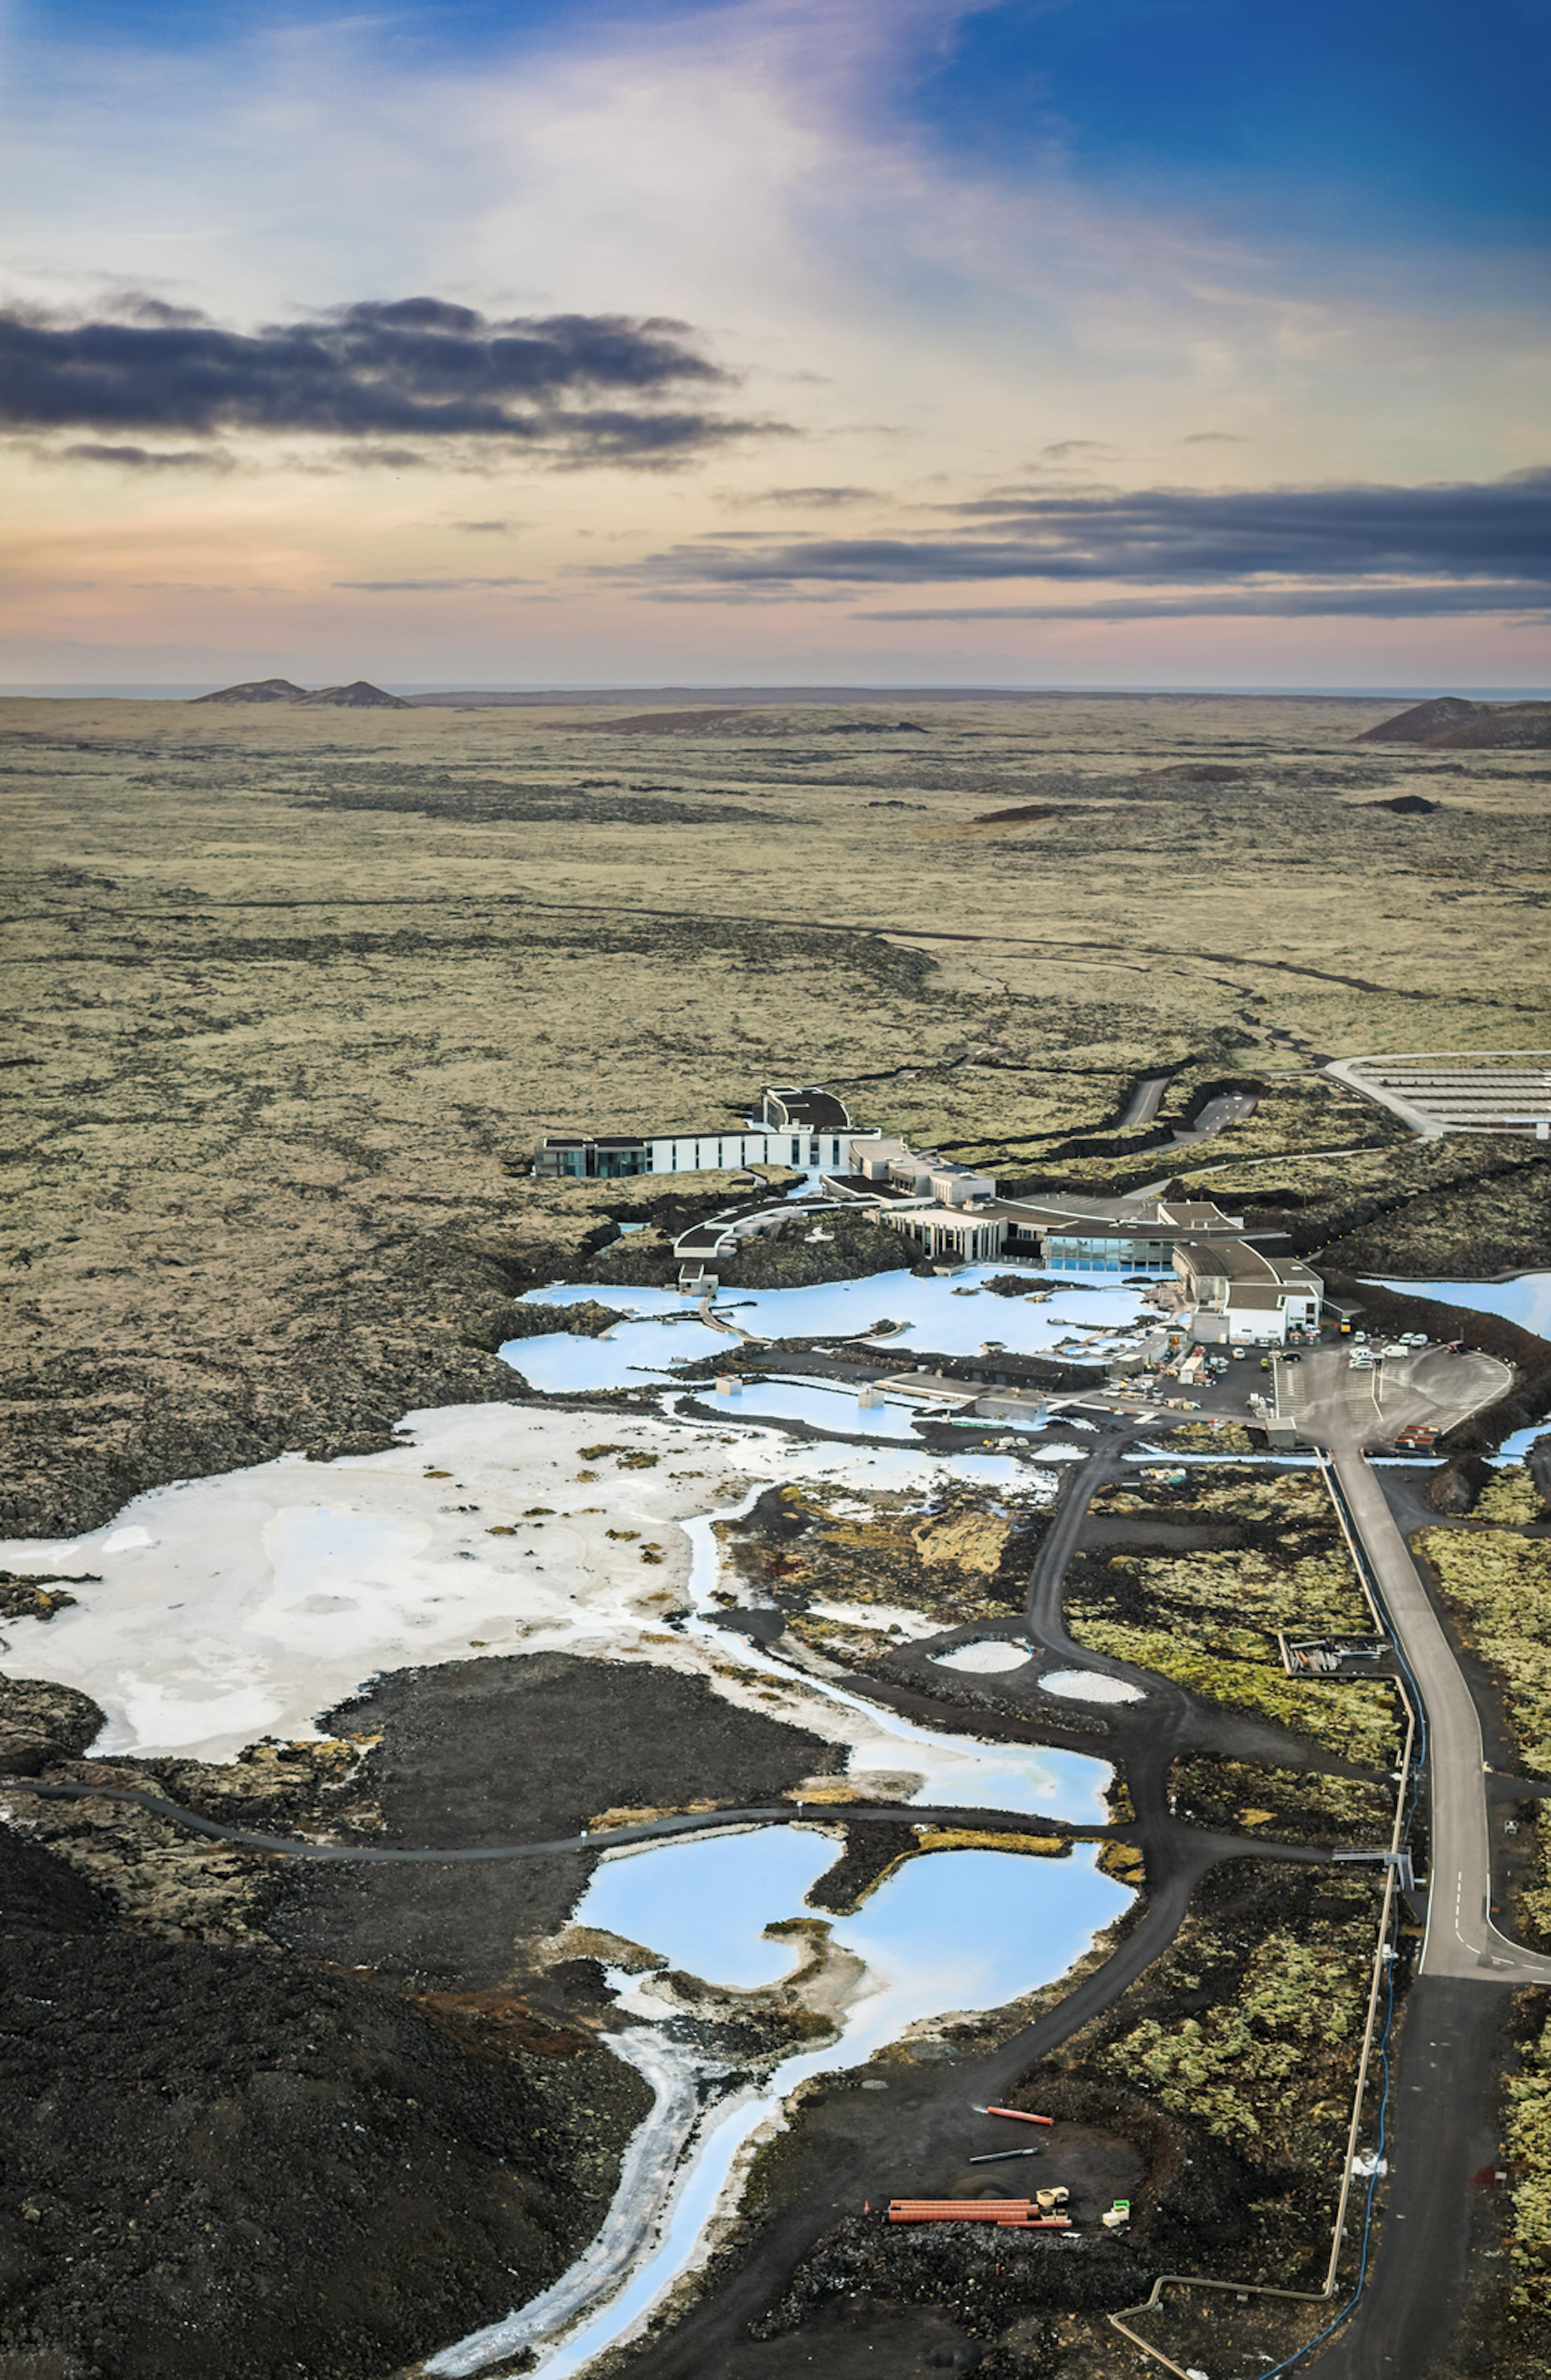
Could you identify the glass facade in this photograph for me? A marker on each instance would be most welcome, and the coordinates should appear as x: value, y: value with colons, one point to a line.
x: 1079, y: 1252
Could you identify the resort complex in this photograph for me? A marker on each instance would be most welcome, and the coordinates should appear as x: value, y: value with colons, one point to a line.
x: 1231, y: 1288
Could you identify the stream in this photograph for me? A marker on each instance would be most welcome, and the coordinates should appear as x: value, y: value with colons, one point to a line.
x: 968, y: 1929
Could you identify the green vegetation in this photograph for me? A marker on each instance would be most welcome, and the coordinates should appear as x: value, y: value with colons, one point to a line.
x: 1208, y: 1438
x: 1356, y: 1719
x: 1529, y: 2149
x: 1535, y: 1897
x: 1209, y: 1620
x: 1499, y: 1585
x: 1511, y: 1496
x: 1296, y: 2011
x: 1286, y: 1805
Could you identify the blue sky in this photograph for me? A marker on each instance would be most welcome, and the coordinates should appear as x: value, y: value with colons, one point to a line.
x: 1193, y: 262
x: 1416, y: 117
x: 1421, y: 115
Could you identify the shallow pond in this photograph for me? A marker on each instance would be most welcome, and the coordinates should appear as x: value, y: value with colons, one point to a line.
x: 941, y: 1320
x: 1514, y: 1449
x: 1089, y: 1686
x: 704, y: 1905
x: 1526, y: 1301
x: 954, y: 1930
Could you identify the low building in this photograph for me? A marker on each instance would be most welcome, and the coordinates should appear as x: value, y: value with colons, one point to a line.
x: 1118, y: 1235
x: 803, y: 1130
x: 1240, y: 1292
x: 788, y: 1108
x: 968, y: 1234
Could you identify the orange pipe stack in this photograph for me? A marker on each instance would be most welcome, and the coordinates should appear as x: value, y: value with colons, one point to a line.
x: 1007, y: 2214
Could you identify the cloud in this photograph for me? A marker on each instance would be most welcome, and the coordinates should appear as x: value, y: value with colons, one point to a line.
x: 147, y: 458
x: 1527, y: 597
x: 1213, y: 438
x: 806, y: 499
x: 581, y: 388
x: 1065, y: 449
x: 480, y: 528
x: 424, y: 585
x: 1466, y: 546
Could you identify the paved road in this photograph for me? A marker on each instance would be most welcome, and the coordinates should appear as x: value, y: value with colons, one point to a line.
x: 1228, y: 1108
x: 1345, y: 1411
x: 1145, y: 1102
x: 604, y: 1838
x: 1443, y: 2141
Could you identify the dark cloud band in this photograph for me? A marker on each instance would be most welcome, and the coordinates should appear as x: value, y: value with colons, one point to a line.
x: 1528, y: 598
x: 590, y: 387
x: 1388, y: 550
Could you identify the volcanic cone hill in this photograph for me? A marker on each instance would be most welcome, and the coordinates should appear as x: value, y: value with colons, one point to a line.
x: 1506, y: 726
x: 257, y: 689
x: 359, y: 695
x: 1425, y: 721
x: 1451, y: 724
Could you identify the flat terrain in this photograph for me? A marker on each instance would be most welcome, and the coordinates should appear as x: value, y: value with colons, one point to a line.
x: 291, y: 992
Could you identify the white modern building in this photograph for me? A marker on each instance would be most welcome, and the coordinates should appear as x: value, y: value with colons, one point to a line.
x: 1239, y: 1293
x: 802, y: 1129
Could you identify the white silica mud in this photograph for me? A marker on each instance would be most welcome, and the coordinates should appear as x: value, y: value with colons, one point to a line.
x: 953, y: 1931
x: 984, y: 1659
x: 1089, y: 1686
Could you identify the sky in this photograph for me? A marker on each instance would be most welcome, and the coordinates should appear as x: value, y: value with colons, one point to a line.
x: 935, y: 342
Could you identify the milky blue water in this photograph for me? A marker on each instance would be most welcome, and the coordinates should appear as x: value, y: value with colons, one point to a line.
x: 1514, y: 1449
x: 704, y: 1904
x: 959, y: 1929
x: 1526, y: 1301
x: 941, y: 1319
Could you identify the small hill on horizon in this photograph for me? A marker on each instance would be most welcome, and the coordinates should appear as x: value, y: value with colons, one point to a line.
x: 1506, y: 726
x: 257, y: 689
x: 1451, y: 724
x: 1424, y: 720
x: 358, y: 696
